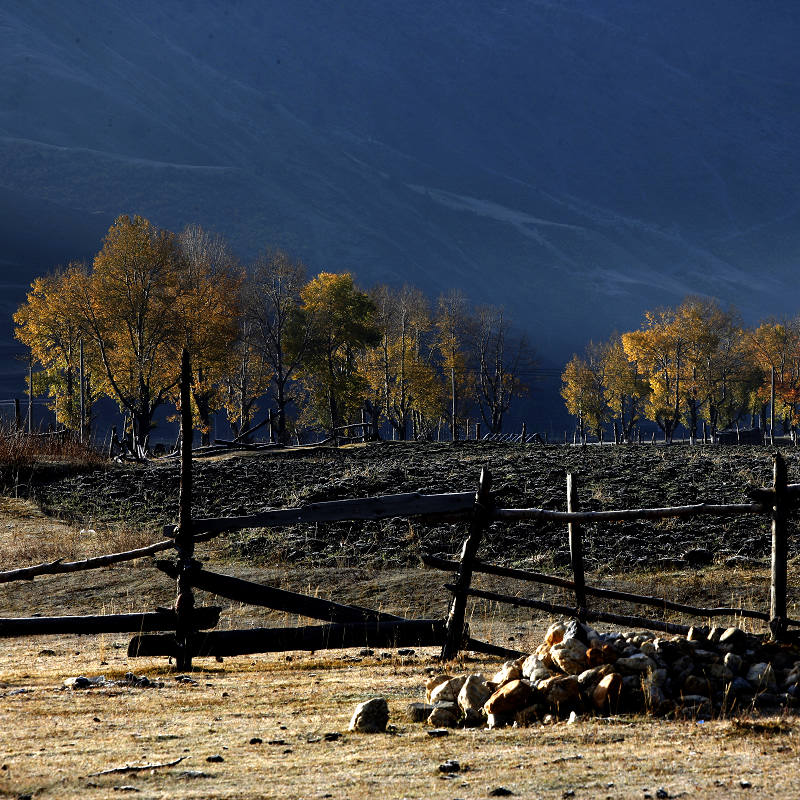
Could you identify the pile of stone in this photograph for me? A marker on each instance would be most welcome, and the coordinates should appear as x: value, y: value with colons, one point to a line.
x: 576, y: 669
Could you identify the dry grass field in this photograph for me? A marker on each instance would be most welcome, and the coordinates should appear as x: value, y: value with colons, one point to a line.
x: 276, y: 726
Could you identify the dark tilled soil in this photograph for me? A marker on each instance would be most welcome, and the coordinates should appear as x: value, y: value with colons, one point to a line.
x: 523, y: 476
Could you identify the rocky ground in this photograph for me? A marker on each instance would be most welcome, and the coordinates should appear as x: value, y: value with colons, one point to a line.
x: 523, y: 476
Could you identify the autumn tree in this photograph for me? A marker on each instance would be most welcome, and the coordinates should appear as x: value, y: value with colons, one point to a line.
x: 127, y: 307
x: 716, y: 364
x: 48, y: 323
x: 272, y: 308
x: 659, y: 350
x: 623, y: 388
x: 399, y: 373
x: 334, y: 324
x: 775, y: 345
x: 452, y: 326
x: 208, y: 309
x: 499, y: 358
x: 582, y: 387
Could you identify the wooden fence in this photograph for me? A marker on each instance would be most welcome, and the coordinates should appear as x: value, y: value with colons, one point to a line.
x: 186, y: 631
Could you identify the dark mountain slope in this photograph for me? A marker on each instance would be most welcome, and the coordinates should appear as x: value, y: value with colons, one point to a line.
x: 577, y: 161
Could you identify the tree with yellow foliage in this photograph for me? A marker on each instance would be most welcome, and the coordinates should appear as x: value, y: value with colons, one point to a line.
x: 623, y: 388
x: 716, y: 369
x: 208, y: 309
x: 452, y: 328
x: 776, y: 345
x: 400, y: 377
x: 334, y: 324
x: 659, y: 350
x: 49, y: 325
x: 582, y: 387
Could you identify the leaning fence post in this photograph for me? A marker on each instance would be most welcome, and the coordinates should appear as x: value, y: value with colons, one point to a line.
x: 524, y: 436
x: 454, y: 635
x: 780, y: 547
x: 576, y: 548
x: 184, y: 539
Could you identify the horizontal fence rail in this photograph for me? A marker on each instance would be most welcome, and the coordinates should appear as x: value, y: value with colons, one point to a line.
x: 162, y: 620
x: 596, y: 591
x: 259, y: 594
x: 410, y: 504
x: 695, y: 510
x: 60, y: 567
x: 400, y: 633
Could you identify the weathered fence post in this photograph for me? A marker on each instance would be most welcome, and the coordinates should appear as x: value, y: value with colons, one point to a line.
x: 576, y: 548
x: 270, y: 425
x: 184, y: 539
x: 477, y: 431
x: 780, y: 547
x: 524, y: 433
x: 17, y: 416
x: 480, y: 519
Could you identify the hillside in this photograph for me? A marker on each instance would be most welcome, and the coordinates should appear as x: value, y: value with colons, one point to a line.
x: 576, y: 161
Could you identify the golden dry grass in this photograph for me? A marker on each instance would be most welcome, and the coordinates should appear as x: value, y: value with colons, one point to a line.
x: 53, y: 740
x: 56, y: 739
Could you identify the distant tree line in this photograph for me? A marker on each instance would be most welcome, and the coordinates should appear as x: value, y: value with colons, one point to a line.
x: 693, y: 364
x: 320, y: 352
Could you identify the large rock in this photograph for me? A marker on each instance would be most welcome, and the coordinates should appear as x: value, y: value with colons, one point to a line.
x: 762, y: 676
x: 696, y: 685
x: 510, y: 671
x: 589, y: 678
x: 433, y: 682
x: 419, y: 712
x: 473, y: 695
x: 510, y: 698
x: 733, y: 661
x: 534, y: 668
x: 636, y: 664
x: 605, y: 695
x: 370, y: 716
x: 560, y: 691
x: 444, y: 715
x: 555, y: 633
x: 447, y: 692
x: 569, y: 656
x: 733, y: 640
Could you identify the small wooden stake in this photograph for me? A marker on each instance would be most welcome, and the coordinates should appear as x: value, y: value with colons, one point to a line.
x: 82, y: 379
x: 480, y: 519
x: 30, y: 396
x: 576, y: 548
x: 780, y: 547
x: 524, y: 437
x: 184, y: 540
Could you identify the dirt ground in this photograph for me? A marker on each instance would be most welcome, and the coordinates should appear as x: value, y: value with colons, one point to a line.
x: 276, y: 726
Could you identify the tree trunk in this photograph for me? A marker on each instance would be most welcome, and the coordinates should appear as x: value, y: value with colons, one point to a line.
x: 453, y: 428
